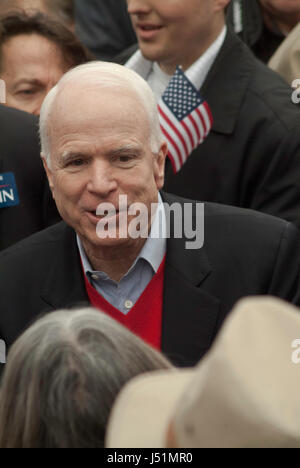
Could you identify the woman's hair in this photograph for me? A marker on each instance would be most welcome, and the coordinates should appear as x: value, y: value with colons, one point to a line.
x: 62, y: 377
x: 14, y: 24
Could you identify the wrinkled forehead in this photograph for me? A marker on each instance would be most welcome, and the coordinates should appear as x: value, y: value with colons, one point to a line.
x: 90, y: 109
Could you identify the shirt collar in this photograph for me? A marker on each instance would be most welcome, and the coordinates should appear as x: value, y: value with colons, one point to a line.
x: 153, y: 250
x: 197, y: 72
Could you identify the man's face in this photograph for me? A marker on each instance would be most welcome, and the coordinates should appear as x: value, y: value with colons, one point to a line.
x: 176, y: 32
x: 100, y: 149
x: 31, y: 65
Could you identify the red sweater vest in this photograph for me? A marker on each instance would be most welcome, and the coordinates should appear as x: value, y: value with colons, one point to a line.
x: 145, y: 317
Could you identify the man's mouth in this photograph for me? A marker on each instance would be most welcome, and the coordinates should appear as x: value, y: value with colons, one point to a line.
x: 148, y: 31
x: 106, y: 214
x: 149, y: 27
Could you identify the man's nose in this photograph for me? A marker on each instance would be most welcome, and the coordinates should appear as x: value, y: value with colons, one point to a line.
x: 101, y: 179
x: 136, y: 7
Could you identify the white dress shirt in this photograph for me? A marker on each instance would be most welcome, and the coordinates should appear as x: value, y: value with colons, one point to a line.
x: 196, y: 73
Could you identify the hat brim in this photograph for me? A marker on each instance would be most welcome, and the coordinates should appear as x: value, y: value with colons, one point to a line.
x: 143, y: 410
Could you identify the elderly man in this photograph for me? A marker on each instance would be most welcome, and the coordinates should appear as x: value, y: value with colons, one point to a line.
x: 251, y: 158
x: 104, y: 155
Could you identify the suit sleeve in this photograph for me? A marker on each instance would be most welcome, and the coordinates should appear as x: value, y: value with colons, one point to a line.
x: 278, y: 192
x: 285, y: 282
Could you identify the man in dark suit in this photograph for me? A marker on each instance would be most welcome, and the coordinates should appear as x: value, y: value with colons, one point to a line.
x: 251, y: 157
x: 25, y: 202
x: 104, y: 155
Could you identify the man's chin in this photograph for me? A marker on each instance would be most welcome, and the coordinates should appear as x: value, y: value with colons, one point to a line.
x: 107, y: 239
x: 149, y: 51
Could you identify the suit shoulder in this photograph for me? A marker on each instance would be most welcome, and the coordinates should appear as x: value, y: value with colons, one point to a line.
x: 252, y: 226
x: 38, y: 243
x: 14, y: 119
x: 217, y: 214
x: 219, y: 210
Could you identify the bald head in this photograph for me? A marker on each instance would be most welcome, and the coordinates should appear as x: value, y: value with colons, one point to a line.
x: 92, y: 80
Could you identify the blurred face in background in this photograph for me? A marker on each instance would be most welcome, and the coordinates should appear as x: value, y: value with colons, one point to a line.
x: 176, y: 32
x: 285, y: 12
x: 30, y: 66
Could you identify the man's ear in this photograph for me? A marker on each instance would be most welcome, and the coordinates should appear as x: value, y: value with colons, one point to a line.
x: 221, y: 4
x: 159, y: 168
x: 49, y: 173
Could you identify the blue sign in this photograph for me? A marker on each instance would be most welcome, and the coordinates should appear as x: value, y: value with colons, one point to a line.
x: 8, y: 190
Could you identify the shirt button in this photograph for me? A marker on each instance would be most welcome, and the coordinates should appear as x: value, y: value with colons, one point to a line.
x: 95, y: 277
x: 128, y: 304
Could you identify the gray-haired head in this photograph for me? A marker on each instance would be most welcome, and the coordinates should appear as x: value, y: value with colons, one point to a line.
x: 101, y: 75
x: 63, y: 375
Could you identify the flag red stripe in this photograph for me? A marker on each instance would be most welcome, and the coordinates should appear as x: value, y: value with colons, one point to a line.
x: 168, y: 136
x: 195, y: 126
x: 188, y: 133
x: 202, y: 120
x: 207, y: 108
x: 166, y: 118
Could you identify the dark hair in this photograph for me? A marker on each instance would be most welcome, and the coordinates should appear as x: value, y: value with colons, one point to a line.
x: 74, y: 53
x: 63, y: 10
x: 62, y: 377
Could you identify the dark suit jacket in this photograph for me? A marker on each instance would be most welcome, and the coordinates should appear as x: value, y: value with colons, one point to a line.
x: 104, y: 26
x: 244, y: 253
x: 19, y: 154
x: 251, y: 158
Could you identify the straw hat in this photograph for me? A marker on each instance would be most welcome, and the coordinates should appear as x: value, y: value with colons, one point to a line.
x: 285, y: 60
x: 244, y: 393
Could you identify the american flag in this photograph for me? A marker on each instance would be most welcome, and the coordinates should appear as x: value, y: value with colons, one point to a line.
x: 185, y: 118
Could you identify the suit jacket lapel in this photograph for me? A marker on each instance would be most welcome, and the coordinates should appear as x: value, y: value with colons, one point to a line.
x: 189, y: 313
x: 64, y: 284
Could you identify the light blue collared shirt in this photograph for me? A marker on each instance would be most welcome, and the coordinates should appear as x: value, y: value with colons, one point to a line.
x: 125, y: 293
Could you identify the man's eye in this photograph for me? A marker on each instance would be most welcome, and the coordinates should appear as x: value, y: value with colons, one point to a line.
x: 26, y: 92
x: 75, y: 163
x: 125, y: 159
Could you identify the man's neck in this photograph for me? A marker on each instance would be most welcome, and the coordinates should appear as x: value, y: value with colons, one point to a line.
x: 194, y: 53
x: 115, y: 261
